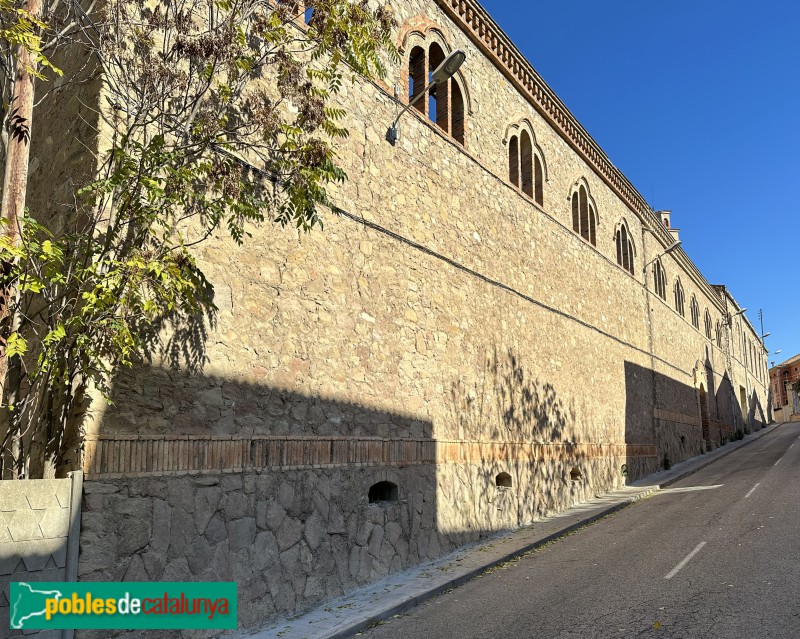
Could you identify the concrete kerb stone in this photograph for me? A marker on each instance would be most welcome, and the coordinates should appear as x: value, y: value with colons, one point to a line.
x: 298, y: 628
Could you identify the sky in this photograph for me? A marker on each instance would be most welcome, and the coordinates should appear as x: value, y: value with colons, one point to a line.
x: 697, y: 103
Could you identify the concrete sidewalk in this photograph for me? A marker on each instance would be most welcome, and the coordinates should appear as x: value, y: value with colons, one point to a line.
x: 366, y: 606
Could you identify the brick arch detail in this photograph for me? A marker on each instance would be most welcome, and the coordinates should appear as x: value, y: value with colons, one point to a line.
x: 421, y: 26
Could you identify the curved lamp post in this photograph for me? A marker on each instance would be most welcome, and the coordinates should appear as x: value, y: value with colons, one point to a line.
x: 669, y: 249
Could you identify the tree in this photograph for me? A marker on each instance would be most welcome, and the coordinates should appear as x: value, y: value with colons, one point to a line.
x: 215, y: 114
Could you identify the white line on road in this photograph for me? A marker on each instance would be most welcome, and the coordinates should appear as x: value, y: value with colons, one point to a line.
x: 688, y: 558
x: 752, y: 490
x: 687, y: 489
x: 778, y: 462
x: 792, y: 446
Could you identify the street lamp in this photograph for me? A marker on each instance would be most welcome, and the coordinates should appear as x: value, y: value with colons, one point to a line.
x: 669, y: 249
x: 440, y: 75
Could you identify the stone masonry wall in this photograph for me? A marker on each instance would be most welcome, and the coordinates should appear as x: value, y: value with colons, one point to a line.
x: 443, y: 308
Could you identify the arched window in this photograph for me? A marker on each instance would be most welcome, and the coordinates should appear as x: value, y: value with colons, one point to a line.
x: 525, y: 166
x: 416, y: 76
x: 538, y: 179
x: 679, y: 297
x: 660, y: 280
x: 437, y: 98
x: 584, y: 217
x: 456, y: 112
x: 708, y: 324
x: 624, y: 248
x: 718, y: 334
x: 445, y: 103
x: 695, y: 312
x: 513, y: 160
x: 526, y: 163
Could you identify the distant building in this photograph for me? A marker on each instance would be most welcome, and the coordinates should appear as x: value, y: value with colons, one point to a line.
x: 784, y: 399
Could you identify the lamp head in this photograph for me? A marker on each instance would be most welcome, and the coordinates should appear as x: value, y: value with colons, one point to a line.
x: 672, y: 247
x: 448, y: 67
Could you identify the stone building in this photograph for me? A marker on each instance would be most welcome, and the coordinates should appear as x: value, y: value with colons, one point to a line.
x: 492, y: 329
x: 785, y: 403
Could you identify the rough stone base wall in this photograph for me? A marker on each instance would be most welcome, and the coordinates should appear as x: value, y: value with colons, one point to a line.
x: 292, y: 539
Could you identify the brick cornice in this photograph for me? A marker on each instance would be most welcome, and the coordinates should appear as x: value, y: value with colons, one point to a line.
x: 485, y: 33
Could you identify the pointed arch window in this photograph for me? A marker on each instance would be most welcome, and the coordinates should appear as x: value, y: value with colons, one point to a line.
x: 660, y: 280
x: 624, y: 244
x: 718, y: 334
x: 525, y: 166
x: 694, y: 309
x: 513, y: 160
x: 708, y: 324
x: 584, y: 217
x: 445, y: 103
x: 679, y: 298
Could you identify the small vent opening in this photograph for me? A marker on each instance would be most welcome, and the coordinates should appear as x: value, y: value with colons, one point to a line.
x: 383, y: 491
x: 575, y: 474
x: 503, y: 480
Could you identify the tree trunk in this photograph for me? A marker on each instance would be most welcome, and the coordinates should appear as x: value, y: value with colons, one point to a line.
x: 15, y: 184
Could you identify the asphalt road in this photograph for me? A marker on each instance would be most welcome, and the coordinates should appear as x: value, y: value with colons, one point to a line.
x: 716, y: 555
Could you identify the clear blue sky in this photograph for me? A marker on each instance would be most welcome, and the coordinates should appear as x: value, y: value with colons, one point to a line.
x: 698, y: 104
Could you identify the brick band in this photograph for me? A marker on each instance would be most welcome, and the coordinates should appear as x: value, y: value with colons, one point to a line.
x: 133, y: 455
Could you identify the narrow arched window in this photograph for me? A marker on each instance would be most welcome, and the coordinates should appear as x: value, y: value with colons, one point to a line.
x: 538, y: 179
x: 708, y: 324
x: 456, y: 112
x: 438, y: 98
x: 526, y: 163
x: 576, y: 220
x: 584, y: 217
x: 624, y: 248
x: 695, y: 312
x: 679, y: 298
x: 583, y: 200
x: 718, y: 333
x: 513, y: 160
x: 660, y: 280
x: 416, y: 76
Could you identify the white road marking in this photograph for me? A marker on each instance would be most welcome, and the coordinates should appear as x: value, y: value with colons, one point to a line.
x: 777, y: 462
x: 688, y: 489
x: 792, y: 446
x: 688, y: 558
x: 752, y: 490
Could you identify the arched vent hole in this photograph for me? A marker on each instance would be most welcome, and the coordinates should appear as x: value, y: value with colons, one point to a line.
x: 383, y: 491
x: 575, y: 474
x: 503, y: 480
